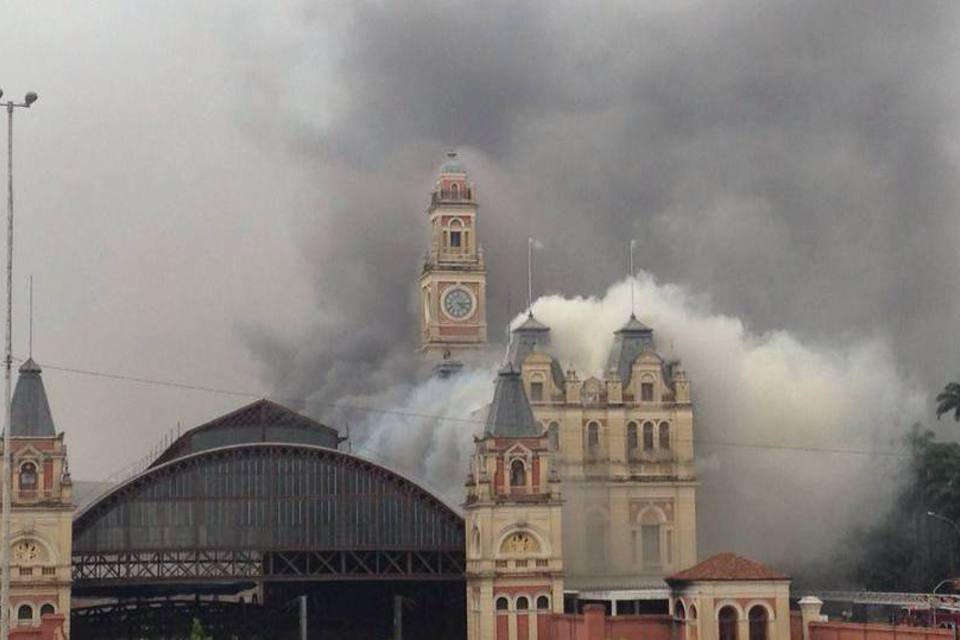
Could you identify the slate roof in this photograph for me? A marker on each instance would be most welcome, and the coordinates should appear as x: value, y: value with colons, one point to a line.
x: 629, y: 342
x: 31, y: 416
x: 532, y: 335
x: 727, y: 567
x: 510, y: 415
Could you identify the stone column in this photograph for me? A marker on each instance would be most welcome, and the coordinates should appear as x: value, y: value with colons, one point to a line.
x: 810, y: 612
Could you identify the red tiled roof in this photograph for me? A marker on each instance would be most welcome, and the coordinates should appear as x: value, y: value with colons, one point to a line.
x: 727, y: 566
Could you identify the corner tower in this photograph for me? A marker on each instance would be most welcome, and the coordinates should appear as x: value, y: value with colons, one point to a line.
x: 453, y: 282
x: 513, y: 518
x: 42, y: 509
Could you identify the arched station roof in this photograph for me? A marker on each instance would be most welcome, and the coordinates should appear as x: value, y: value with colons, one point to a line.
x: 265, y: 510
x: 260, y: 421
x: 267, y: 496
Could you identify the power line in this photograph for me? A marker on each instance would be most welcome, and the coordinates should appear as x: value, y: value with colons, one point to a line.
x: 427, y: 416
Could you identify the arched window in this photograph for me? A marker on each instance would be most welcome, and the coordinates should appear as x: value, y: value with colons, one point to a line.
x: 455, y: 235
x: 47, y: 610
x: 727, y: 621
x: 522, y: 603
x: 518, y: 474
x: 455, y: 190
x: 758, y: 623
x: 28, y: 477
x: 633, y: 438
x: 553, y: 436
x: 679, y: 612
x: 543, y: 603
x: 664, y: 435
x: 693, y: 612
x: 651, y: 550
x: 648, y: 436
x: 536, y: 389
x: 502, y: 604
x: 593, y: 438
x: 24, y: 612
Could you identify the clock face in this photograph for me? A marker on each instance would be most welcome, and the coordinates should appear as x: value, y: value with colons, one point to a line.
x: 26, y: 550
x: 457, y: 303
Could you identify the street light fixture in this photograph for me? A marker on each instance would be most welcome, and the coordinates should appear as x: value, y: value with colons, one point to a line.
x: 952, y: 523
x: 5, y: 612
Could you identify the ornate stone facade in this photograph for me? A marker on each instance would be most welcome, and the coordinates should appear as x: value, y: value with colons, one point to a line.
x: 453, y: 282
x: 623, y: 445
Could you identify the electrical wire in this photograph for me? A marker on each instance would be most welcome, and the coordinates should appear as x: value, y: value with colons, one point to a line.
x: 426, y: 416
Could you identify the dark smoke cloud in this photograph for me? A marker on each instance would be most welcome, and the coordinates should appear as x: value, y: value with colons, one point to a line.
x: 794, y: 161
x: 791, y: 159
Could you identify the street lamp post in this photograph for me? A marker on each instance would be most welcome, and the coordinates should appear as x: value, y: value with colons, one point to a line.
x: 933, y: 514
x: 5, y: 612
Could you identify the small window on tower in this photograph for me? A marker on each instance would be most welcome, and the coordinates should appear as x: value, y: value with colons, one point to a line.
x: 648, y: 436
x: 646, y: 391
x: 664, y: 435
x: 455, y: 242
x: 518, y: 474
x: 28, y: 477
x: 536, y: 392
x: 593, y: 439
x: 633, y: 440
x: 455, y: 190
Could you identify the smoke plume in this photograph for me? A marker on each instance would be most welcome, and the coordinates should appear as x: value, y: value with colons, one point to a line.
x: 794, y: 161
x: 794, y: 441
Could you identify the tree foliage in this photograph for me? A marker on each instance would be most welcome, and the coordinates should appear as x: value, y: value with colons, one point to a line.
x: 949, y: 400
x: 196, y: 631
x: 909, y: 550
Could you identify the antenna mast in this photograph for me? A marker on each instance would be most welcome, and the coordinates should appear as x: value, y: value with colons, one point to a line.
x: 530, y: 275
x: 633, y: 278
x: 30, y: 340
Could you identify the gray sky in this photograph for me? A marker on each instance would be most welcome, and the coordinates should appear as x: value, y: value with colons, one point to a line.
x: 231, y: 194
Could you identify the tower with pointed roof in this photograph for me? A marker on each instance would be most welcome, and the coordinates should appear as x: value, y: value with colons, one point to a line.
x: 514, y: 522
x: 42, y: 507
x: 454, y: 279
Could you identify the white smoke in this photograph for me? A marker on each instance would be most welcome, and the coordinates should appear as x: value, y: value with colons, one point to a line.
x: 429, y: 434
x: 786, y: 432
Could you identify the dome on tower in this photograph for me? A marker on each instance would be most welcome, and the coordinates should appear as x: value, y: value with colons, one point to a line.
x: 452, y: 163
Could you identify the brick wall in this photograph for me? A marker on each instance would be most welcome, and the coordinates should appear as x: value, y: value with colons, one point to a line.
x: 860, y: 631
x: 595, y: 625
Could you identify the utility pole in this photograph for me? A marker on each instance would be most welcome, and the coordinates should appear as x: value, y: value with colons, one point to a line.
x: 397, y: 617
x: 28, y: 100
x: 303, y: 617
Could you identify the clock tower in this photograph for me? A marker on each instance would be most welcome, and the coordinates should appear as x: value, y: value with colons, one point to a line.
x: 454, y: 278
